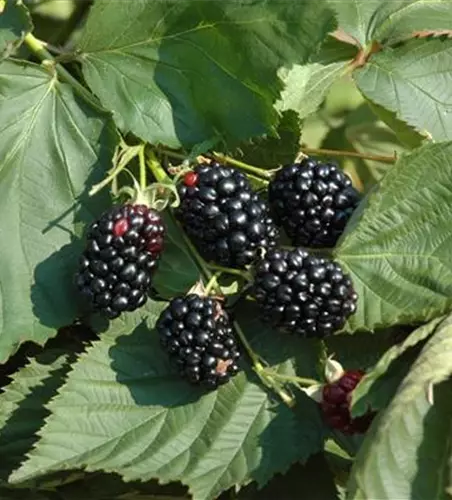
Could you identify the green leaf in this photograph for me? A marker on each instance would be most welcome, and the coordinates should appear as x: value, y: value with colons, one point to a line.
x: 15, y: 23
x: 368, y: 391
x: 400, y: 275
x: 390, y: 21
x: 177, y: 271
x: 405, y: 134
x: 406, y: 451
x: 181, y: 73
x: 395, y: 21
x: 270, y: 152
x: 22, y: 410
x: 127, y: 411
x: 415, y: 82
x: 354, y: 17
x: 53, y: 148
x: 306, y: 86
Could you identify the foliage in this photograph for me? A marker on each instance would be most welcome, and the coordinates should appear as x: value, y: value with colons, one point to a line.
x: 99, y: 412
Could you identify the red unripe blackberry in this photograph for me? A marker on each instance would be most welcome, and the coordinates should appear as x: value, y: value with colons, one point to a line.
x: 226, y: 221
x: 122, y: 251
x: 335, y: 404
x: 198, y: 335
x: 302, y: 294
x: 313, y: 202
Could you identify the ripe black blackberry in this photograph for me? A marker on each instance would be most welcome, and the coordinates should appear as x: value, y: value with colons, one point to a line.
x: 303, y: 294
x: 122, y: 251
x: 313, y: 202
x: 198, y: 335
x: 226, y: 221
x: 335, y: 404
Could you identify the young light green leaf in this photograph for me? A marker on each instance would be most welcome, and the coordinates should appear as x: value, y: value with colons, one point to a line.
x: 53, y: 148
x: 400, y: 275
x: 406, y: 451
x: 306, y: 86
x: 128, y: 411
x: 181, y: 73
x: 363, y: 396
x: 415, y: 82
x: 15, y: 23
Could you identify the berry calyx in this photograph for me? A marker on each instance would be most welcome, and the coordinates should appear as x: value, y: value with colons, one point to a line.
x: 302, y: 294
x: 191, y: 179
x: 226, y: 221
x: 335, y: 404
x: 122, y: 252
x: 198, y: 336
x: 313, y: 202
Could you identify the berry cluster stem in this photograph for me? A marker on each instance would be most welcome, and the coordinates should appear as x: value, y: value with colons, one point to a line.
x: 352, y: 154
x: 234, y: 272
x: 255, y: 171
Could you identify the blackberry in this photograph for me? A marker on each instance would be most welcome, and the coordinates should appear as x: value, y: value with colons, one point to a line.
x: 198, y: 335
x: 122, y: 251
x: 335, y: 404
x: 303, y: 294
x: 312, y: 201
x: 226, y: 221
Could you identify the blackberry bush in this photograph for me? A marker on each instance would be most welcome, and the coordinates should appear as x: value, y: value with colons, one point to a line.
x: 335, y: 404
x: 198, y: 335
x: 313, y: 202
x: 227, y: 222
x: 122, y: 251
x: 302, y: 294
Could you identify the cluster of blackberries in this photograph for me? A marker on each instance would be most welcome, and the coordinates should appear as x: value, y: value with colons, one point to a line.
x: 226, y: 221
x: 122, y: 251
x: 313, y: 202
x: 197, y: 333
x: 335, y: 404
x: 303, y: 294
x: 230, y: 225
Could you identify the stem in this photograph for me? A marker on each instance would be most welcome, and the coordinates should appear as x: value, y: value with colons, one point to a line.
x: 142, y: 161
x: 354, y: 154
x: 110, y: 178
x: 39, y: 50
x: 292, y: 378
x: 259, y: 172
x: 157, y: 171
x: 213, y: 282
x: 227, y: 270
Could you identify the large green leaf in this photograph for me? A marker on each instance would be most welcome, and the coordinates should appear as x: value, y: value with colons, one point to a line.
x: 395, y: 21
x: 373, y: 388
x: 15, y: 23
x: 127, y: 411
x: 271, y: 152
x: 181, y: 73
x: 415, y: 82
x: 406, y: 451
x: 22, y: 410
x: 53, y: 148
x: 397, y: 245
x: 389, y: 21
